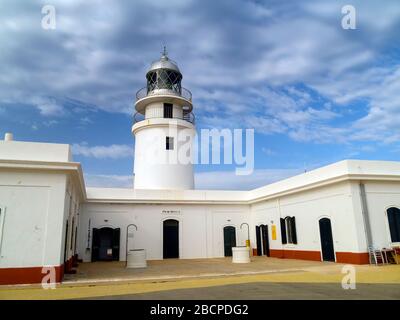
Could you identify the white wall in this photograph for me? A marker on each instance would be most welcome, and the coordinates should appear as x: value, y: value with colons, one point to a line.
x: 380, y: 195
x: 156, y: 110
x: 33, y: 224
x: 71, y: 214
x: 200, y: 227
x: 35, y: 151
x: 308, y: 207
x: 158, y: 168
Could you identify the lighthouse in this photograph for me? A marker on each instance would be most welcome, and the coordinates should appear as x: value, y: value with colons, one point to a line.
x: 163, y: 129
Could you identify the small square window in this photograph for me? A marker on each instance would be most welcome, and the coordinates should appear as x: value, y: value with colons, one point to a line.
x: 168, y: 109
x: 169, y: 143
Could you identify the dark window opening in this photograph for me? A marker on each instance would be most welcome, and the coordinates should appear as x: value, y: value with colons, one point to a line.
x: 288, y: 230
x: 168, y: 110
x: 169, y: 143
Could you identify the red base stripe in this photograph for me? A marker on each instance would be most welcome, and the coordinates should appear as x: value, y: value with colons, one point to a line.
x: 341, y: 257
x: 26, y: 275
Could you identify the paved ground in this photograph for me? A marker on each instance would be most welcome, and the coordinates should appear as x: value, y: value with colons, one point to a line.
x: 264, y: 278
x: 268, y: 290
x: 186, y: 268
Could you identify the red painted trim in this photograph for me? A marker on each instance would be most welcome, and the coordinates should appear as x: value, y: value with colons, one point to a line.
x: 26, y: 275
x: 276, y: 253
x: 352, y: 257
x: 341, y: 257
x: 254, y: 252
x: 296, y: 254
x: 34, y: 274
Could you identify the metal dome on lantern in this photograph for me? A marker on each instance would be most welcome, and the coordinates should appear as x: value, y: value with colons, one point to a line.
x: 164, y: 79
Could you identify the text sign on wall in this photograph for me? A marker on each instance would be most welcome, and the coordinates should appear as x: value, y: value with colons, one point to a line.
x: 171, y: 212
x: 273, y: 230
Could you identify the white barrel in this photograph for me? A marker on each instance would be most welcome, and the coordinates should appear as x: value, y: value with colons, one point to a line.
x: 240, y: 254
x: 136, y: 258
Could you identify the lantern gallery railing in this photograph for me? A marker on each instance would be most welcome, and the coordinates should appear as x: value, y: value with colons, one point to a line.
x: 145, y: 92
x: 187, y: 116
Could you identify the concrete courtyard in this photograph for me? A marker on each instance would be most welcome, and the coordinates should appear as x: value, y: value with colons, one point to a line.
x: 263, y: 278
x: 191, y: 268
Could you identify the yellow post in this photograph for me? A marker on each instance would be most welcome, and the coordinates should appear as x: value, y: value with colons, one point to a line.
x: 248, y: 243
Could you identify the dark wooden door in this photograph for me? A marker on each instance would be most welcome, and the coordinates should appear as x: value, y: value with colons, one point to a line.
x: 258, y: 238
x: 229, y: 240
x: 325, y: 230
x: 394, y: 223
x: 170, y: 239
x: 106, y: 244
x: 116, y: 243
x: 265, y: 240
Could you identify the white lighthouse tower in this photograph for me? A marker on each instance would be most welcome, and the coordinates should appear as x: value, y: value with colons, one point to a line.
x: 163, y: 129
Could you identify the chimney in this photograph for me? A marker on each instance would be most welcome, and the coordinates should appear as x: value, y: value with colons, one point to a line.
x: 8, y: 136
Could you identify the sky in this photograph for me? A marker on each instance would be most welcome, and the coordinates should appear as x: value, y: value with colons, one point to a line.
x: 314, y: 93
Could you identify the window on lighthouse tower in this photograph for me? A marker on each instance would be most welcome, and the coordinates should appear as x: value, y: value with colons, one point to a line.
x: 169, y: 143
x: 168, y: 110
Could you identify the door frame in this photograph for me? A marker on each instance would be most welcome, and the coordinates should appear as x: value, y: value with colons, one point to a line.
x: 333, y: 239
x: 119, y: 242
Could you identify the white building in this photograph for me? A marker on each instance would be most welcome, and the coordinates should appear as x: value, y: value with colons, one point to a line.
x: 48, y: 218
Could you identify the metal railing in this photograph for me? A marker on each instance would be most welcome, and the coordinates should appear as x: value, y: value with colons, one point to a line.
x: 144, y: 92
x: 188, y: 116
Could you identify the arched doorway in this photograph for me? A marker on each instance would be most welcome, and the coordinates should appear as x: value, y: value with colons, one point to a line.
x: 393, y: 215
x: 170, y: 239
x: 105, y: 245
x: 325, y: 231
x: 229, y: 240
x: 262, y: 240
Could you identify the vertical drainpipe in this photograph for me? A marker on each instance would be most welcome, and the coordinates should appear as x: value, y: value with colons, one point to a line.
x: 280, y: 215
x: 365, y: 214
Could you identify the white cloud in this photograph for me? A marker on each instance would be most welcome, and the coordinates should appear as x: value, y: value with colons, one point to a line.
x: 99, y: 54
x: 48, y: 106
x: 114, y: 151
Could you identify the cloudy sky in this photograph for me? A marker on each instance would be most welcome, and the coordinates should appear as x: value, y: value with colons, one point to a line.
x: 314, y: 92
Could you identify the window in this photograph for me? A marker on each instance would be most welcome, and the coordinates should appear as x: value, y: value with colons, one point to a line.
x: 394, y: 224
x: 167, y: 110
x: 169, y: 143
x: 288, y: 230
